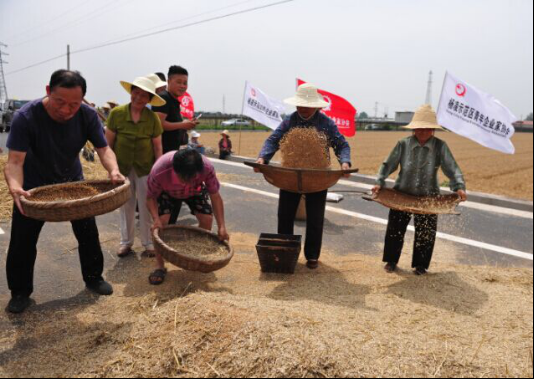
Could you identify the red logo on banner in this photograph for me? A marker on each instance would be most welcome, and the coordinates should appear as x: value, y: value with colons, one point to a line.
x: 340, y: 110
x: 461, y: 90
x: 187, y: 106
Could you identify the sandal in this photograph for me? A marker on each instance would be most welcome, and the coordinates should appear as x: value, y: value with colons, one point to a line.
x: 157, y: 277
x: 149, y: 254
x: 125, y: 251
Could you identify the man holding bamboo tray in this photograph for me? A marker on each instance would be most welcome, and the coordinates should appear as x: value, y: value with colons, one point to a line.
x: 305, y: 139
x: 44, y: 148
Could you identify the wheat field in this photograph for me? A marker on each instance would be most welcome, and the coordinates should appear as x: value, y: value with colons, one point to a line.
x: 485, y: 170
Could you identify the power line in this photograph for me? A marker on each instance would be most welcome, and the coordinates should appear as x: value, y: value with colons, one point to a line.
x: 87, y: 17
x: 34, y: 27
x: 184, y: 26
x: 156, y: 33
x: 36, y: 64
x: 174, y: 22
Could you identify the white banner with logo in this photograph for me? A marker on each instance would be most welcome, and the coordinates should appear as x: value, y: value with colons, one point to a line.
x: 476, y: 115
x: 262, y: 108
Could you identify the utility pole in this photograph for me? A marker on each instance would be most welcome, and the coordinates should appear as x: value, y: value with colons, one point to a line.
x: 224, y: 104
x: 68, y: 57
x: 376, y: 109
x: 3, y: 87
x: 428, y: 100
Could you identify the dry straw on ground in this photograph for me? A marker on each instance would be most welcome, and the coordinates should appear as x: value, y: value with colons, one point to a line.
x: 305, y: 148
x: 348, y: 319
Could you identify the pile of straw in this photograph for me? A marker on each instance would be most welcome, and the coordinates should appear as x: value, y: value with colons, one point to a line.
x: 305, y: 148
x: 348, y: 319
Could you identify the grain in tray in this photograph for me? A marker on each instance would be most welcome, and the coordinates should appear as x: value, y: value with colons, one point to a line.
x: 305, y: 148
x: 67, y: 193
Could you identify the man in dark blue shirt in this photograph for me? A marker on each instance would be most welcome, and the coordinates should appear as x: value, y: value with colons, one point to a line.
x: 46, y: 138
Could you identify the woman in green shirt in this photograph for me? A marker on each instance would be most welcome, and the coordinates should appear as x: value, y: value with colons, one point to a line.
x: 420, y: 157
x: 134, y: 133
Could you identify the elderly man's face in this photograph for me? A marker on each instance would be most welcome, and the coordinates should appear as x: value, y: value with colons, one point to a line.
x: 424, y: 135
x: 63, y: 103
x: 306, y: 113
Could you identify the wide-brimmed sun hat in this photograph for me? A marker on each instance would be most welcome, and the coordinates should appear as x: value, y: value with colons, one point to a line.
x: 308, y: 97
x: 226, y: 133
x: 146, y: 85
x: 425, y: 118
x: 157, y: 81
x: 195, y: 135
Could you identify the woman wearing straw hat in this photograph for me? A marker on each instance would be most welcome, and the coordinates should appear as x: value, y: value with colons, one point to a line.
x: 420, y: 157
x: 134, y: 133
x: 309, y: 103
x: 225, y: 145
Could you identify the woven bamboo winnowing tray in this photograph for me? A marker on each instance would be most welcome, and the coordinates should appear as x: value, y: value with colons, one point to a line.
x: 300, y: 180
x: 111, y: 197
x: 440, y: 205
x: 182, y: 233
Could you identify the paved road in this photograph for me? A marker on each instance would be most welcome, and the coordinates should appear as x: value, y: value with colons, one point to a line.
x: 353, y: 226
x: 501, y: 231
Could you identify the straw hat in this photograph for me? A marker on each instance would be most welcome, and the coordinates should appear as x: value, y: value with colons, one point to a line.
x: 112, y: 103
x: 157, y: 81
x: 146, y: 85
x: 226, y: 133
x: 308, y: 97
x: 195, y: 135
x: 424, y: 118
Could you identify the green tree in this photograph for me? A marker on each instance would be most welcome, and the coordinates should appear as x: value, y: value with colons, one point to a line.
x: 530, y: 117
x: 363, y: 115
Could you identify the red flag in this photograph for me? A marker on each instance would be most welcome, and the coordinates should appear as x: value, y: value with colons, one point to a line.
x: 340, y: 110
x: 187, y: 106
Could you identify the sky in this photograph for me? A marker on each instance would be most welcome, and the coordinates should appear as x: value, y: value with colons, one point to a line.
x: 368, y: 51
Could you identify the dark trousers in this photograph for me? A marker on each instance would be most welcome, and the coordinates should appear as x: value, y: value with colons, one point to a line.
x: 22, y: 252
x: 224, y: 155
x: 425, y: 238
x: 315, y: 209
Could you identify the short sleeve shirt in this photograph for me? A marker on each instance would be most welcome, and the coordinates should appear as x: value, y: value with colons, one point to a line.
x: 172, y: 140
x: 53, y: 149
x: 134, y: 145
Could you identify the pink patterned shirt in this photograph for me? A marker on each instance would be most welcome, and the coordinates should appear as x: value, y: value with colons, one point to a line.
x: 162, y: 178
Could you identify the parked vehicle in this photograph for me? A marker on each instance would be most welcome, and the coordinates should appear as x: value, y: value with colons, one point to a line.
x: 235, y: 122
x: 9, y: 111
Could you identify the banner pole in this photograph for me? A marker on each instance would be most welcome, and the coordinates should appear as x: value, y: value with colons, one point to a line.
x: 242, y: 117
x: 442, y: 91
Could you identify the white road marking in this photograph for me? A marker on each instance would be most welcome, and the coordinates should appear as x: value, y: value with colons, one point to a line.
x: 2, y: 232
x: 443, y: 236
x: 367, y: 187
